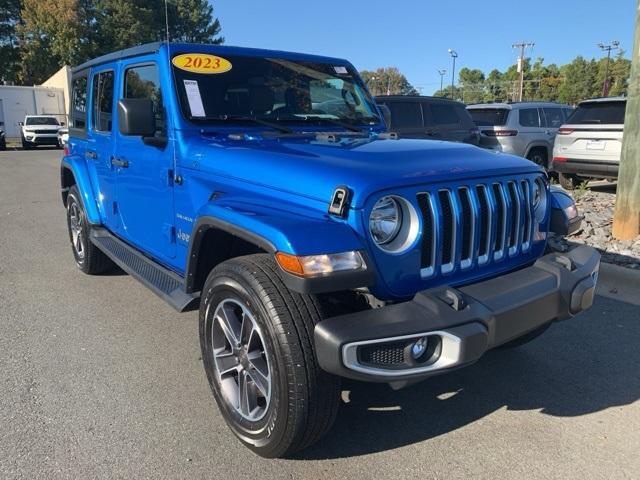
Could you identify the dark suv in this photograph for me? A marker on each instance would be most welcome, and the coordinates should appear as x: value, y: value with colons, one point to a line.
x: 432, y: 118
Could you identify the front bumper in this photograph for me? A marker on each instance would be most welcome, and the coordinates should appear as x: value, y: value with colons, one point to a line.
x: 459, y: 324
x: 42, y: 139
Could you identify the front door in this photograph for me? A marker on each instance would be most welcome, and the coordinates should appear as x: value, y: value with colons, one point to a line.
x: 144, y: 171
x: 100, y: 143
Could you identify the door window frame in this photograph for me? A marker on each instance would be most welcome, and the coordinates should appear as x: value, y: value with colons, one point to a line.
x: 123, y: 88
x: 74, y: 131
x: 113, y: 102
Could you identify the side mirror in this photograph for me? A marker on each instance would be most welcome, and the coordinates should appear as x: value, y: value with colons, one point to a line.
x: 136, y: 117
x: 62, y: 124
x: 20, y: 124
x: 386, y: 114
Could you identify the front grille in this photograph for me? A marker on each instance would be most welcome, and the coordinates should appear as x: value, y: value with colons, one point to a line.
x: 474, y: 225
x: 53, y: 132
x: 384, y: 354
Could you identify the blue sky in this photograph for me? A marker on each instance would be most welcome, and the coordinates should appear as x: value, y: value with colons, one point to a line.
x: 414, y: 35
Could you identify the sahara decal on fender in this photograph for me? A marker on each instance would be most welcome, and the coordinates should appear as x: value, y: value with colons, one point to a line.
x: 201, y: 63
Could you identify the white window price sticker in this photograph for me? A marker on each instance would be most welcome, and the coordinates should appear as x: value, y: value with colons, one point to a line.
x: 194, y: 98
x: 340, y: 70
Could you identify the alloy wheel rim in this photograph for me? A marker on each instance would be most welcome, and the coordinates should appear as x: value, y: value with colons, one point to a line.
x: 76, y: 224
x: 240, y: 359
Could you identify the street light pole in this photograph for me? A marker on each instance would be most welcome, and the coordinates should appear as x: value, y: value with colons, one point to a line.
x: 442, y: 73
x: 608, y: 47
x: 454, y: 55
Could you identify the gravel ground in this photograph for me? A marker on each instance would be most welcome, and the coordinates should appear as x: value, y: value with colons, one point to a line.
x: 597, y: 205
x: 100, y: 379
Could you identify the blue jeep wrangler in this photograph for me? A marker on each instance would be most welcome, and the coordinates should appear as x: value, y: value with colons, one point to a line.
x: 263, y: 187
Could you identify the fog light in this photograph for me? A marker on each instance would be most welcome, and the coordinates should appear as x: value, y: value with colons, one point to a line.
x: 418, y: 348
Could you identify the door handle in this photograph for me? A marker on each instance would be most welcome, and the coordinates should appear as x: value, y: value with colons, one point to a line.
x: 91, y: 154
x: 119, y: 162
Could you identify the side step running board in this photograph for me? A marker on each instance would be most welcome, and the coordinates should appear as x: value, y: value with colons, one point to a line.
x: 163, y: 282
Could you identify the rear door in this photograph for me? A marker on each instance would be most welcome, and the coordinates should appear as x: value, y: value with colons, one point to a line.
x: 100, y: 142
x: 144, y: 171
x: 530, y: 128
x: 406, y: 118
x: 553, y: 118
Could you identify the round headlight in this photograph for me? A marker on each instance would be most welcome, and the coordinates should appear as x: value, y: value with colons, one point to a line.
x: 385, y: 220
x: 539, y: 200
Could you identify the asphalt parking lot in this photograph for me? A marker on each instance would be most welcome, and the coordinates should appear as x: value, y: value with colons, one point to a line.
x: 100, y: 379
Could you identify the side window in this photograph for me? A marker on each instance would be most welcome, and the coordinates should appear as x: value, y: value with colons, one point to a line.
x: 102, y: 107
x: 144, y: 82
x: 567, y: 112
x: 554, y: 117
x: 529, y: 117
x: 405, y: 114
x: 443, y: 114
x: 79, y: 102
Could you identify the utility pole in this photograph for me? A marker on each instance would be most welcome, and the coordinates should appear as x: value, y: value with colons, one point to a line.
x: 626, y: 219
x: 607, y: 48
x: 454, y: 55
x: 521, y: 46
x: 442, y: 73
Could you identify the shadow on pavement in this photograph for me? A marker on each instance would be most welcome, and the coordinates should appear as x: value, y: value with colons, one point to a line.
x: 580, y: 366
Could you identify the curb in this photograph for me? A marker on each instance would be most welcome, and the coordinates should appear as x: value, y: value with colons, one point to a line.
x: 619, y: 283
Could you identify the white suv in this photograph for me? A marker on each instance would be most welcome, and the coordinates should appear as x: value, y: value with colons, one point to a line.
x: 589, y: 144
x: 39, y: 130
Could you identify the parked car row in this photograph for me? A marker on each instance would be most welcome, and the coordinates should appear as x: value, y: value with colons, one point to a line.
x: 575, y: 144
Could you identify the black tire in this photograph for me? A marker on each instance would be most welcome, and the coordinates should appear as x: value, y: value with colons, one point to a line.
x: 25, y: 145
x: 303, y: 400
x: 526, y: 338
x: 539, y: 156
x: 89, y: 258
x: 3, y: 144
x: 568, y: 181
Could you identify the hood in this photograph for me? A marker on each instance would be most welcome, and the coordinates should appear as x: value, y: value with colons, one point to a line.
x: 314, y: 168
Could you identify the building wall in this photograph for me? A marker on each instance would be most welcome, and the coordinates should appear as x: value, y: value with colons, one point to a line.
x: 62, y: 80
x: 16, y: 102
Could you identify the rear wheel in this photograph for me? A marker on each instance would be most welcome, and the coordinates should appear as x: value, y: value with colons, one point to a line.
x: 89, y: 258
x: 568, y: 181
x: 257, y: 348
x: 539, y: 157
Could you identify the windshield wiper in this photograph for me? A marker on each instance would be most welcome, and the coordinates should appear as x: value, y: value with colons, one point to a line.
x: 245, y: 118
x: 348, y: 126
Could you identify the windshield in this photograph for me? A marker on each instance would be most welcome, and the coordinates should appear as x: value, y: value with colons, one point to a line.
x: 41, y: 121
x: 484, y: 117
x: 275, y: 90
x: 606, y: 113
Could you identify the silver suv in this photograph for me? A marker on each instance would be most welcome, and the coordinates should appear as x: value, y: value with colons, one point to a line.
x: 526, y: 129
x: 588, y: 145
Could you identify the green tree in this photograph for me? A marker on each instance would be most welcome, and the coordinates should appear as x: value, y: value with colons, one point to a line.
x: 579, y: 80
x: 471, y: 85
x: 9, y: 44
x: 192, y: 21
x: 387, y: 80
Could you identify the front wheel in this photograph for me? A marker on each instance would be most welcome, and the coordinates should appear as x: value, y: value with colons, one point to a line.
x: 257, y: 348
x: 89, y: 258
